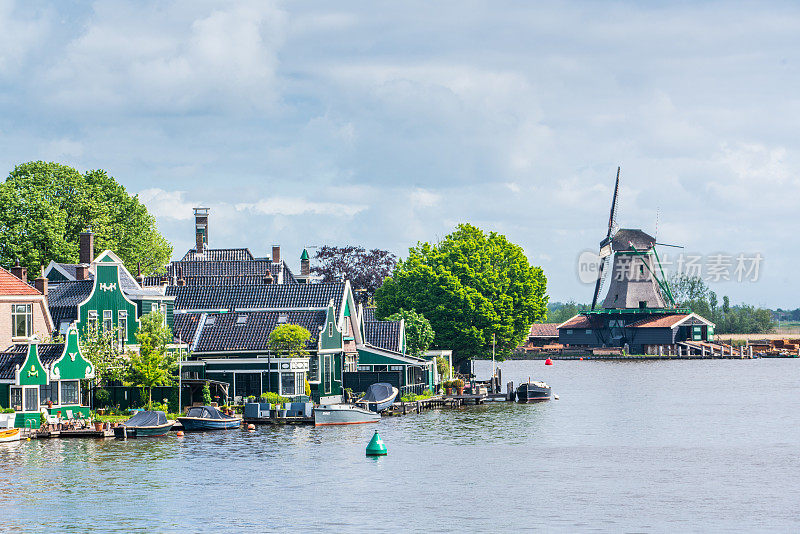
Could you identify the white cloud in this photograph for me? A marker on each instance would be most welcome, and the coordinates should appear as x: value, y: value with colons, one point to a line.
x: 167, y: 204
x: 299, y: 206
x: 423, y: 198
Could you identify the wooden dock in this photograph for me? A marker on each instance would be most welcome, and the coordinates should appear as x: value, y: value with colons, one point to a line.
x: 278, y: 420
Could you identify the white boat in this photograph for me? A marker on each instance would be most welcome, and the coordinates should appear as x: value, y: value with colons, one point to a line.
x: 10, y: 434
x: 343, y: 414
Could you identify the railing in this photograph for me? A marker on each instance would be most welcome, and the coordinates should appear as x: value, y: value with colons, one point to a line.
x: 413, y: 389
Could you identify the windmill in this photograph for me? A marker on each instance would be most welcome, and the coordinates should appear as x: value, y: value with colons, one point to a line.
x: 637, y: 280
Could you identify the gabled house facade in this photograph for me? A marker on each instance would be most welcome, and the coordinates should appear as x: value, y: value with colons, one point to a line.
x: 36, y: 378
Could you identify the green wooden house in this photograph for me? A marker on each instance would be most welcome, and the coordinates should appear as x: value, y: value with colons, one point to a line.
x: 38, y: 377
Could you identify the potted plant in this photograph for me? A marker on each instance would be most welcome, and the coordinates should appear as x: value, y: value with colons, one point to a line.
x: 49, y: 404
x: 448, y: 386
x: 459, y: 385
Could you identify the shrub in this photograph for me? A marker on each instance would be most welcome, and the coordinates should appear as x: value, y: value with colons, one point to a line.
x: 7, y: 410
x: 411, y: 397
x: 458, y: 383
x: 206, y: 394
x: 273, y: 398
x: 103, y: 397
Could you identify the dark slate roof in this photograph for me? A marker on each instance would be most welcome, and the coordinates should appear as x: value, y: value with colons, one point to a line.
x: 229, y: 334
x: 63, y: 299
x: 223, y: 268
x: 70, y: 268
x: 16, y: 354
x: 369, y: 314
x: 184, y: 326
x: 383, y: 334
x: 257, y: 296
x: 218, y: 254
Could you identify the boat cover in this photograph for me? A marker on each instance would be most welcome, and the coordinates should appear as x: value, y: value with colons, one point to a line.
x: 377, y: 392
x: 145, y: 418
x: 206, y: 412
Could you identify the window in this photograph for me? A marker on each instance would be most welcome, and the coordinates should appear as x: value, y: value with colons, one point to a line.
x: 365, y: 368
x: 283, y: 318
x: 569, y: 332
x: 350, y: 362
x: 31, y: 399
x: 210, y: 320
x: 313, y: 369
x: 241, y: 319
x: 92, y: 320
x: 300, y: 380
x: 108, y: 323
x: 395, y: 367
x: 588, y: 330
x: 330, y: 329
x: 16, y: 397
x: 22, y: 320
x: 69, y: 391
x: 63, y: 328
x: 154, y: 307
x: 48, y: 393
x: 164, y: 312
x: 328, y: 374
x: 123, y: 328
x: 642, y: 304
x: 380, y: 368
x: 346, y: 329
x: 288, y: 384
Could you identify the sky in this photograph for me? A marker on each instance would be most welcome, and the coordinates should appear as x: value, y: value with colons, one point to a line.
x: 384, y: 124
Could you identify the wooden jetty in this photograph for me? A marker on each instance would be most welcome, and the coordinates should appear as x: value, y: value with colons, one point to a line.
x: 278, y: 420
x: 86, y: 433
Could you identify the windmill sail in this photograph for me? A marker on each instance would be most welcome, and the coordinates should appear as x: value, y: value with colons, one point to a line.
x: 605, y: 244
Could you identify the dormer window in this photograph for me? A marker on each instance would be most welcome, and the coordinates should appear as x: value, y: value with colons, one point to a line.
x: 210, y: 320
x: 242, y: 319
x: 283, y: 318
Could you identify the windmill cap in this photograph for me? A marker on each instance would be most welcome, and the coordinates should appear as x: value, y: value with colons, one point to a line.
x: 630, y: 239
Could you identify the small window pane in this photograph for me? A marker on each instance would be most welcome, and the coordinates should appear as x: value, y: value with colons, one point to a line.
x: 69, y: 391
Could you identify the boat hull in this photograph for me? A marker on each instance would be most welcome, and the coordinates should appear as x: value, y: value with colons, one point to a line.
x: 343, y: 414
x: 533, y: 392
x: 194, y: 424
x: 381, y: 405
x: 9, y: 435
x: 122, y: 432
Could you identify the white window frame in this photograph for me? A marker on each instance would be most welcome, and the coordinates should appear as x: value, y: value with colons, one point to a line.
x: 330, y: 329
x: 27, y: 316
x: 122, y: 322
x: 346, y: 326
x: 91, y: 319
x: 108, y: 321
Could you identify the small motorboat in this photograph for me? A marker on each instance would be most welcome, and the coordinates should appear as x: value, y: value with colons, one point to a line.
x: 378, y: 397
x: 144, y: 424
x: 533, y: 391
x: 208, y: 418
x: 7, y: 435
x: 343, y: 414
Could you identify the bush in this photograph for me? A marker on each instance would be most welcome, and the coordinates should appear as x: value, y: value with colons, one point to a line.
x: 206, y: 394
x: 103, y: 397
x: 7, y: 410
x: 457, y: 383
x: 273, y: 398
x: 411, y: 397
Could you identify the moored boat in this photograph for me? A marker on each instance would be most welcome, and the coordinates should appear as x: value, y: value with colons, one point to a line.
x: 378, y: 397
x: 208, y: 418
x: 8, y: 435
x: 533, y: 391
x: 144, y: 424
x: 343, y: 414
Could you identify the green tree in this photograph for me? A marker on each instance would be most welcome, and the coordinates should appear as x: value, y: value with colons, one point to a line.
x: 469, y: 286
x: 101, y: 347
x: 289, y: 341
x: 419, y: 333
x: 558, y: 312
x: 152, y: 365
x: 45, y: 206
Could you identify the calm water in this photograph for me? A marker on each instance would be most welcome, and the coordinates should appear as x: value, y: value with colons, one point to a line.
x: 642, y: 446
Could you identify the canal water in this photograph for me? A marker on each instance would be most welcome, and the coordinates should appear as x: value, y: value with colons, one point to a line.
x: 663, y: 446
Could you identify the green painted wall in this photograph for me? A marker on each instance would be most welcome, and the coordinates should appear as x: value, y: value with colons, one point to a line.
x: 107, y: 295
x: 56, y: 276
x: 32, y: 372
x: 72, y: 365
x: 5, y: 395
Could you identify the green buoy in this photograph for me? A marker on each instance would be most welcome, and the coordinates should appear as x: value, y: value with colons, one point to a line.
x: 376, y: 446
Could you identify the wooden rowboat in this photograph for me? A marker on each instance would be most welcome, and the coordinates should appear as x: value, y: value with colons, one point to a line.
x: 9, y: 435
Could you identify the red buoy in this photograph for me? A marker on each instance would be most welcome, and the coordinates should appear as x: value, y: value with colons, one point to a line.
x: 180, y: 433
x: 581, y: 358
x: 251, y: 426
x: 548, y: 361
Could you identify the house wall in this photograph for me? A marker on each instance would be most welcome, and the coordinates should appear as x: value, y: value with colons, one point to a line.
x: 42, y: 327
x: 577, y: 336
x: 650, y: 336
x: 145, y: 306
x: 107, y: 295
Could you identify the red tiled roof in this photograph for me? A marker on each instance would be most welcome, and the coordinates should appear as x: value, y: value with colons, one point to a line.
x: 11, y: 285
x: 544, y: 330
x: 661, y: 321
x: 579, y: 321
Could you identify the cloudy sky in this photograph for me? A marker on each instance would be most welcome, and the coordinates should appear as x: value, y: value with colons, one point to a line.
x: 387, y: 123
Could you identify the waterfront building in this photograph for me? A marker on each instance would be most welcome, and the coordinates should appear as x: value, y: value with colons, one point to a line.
x: 23, y: 308
x: 44, y: 377
x: 101, y: 294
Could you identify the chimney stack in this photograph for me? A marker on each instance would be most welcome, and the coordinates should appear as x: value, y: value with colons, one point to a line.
x: 276, y: 253
x: 201, y: 229
x: 86, y: 254
x: 82, y: 272
x: 180, y: 281
x: 305, y: 264
x: 19, y: 271
x: 41, y: 283
x: 139, y: 277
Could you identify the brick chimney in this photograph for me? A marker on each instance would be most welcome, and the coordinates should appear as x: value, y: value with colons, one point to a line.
x: 200, y: 229
x: 276, y: 253
x: 82, y: 272
x: 139, y: 277
x: 86, y: 254
x: 19, y: 271
x: 305, y: 264
x: 41, y: 283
